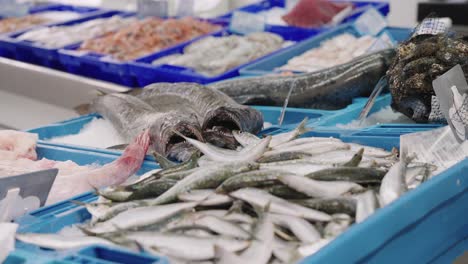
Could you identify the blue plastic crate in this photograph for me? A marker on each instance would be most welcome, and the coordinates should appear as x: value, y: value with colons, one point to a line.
x: 59, y: 215
x: 36, y: 53
x: 270, y: 63
x: 146, y: 73
x: 102, y: 67
x: 424, y: 225
x: 360, y: 7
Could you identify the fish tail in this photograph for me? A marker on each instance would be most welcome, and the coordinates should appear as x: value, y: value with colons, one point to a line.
x: 302, y: 127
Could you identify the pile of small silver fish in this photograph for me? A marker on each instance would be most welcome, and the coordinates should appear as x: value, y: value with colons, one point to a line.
x: 214, y: 55
x: 276, y: 199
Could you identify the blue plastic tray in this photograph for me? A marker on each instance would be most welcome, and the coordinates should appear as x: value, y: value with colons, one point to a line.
x: 270, y: 63
x: 146, y: 73
x: 361, y: 6
x: 54, y: 217
x: 103, y: 67
x: 424, y: 225
x: 36, y: 53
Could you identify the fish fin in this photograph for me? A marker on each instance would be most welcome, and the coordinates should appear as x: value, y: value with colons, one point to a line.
x: 163, y: 161
x: 355, y: 160
x: 119, y: 147
x: 302, y: 127
x: 85, y: 230
x: 100, y: 92
x: 83, y: 109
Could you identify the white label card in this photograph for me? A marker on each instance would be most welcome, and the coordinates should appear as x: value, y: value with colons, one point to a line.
x: 245, y: 23
x: 370, y: 22
x: 158, y: 8
x: 451, y: 89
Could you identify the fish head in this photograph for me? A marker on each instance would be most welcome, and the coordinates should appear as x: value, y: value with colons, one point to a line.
x: 220, y: 137
x: 413, y: 108
x: 234, y: 118
x: 182, y: 151
x: 163, y: 131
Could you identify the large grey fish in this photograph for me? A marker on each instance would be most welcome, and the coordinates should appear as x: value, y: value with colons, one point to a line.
x: 130, y: 115
x: 331, y: 88
x: 212, y: 107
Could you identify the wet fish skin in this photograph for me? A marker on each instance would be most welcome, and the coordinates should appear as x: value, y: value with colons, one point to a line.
x: 210, y: 177
x: 338, y: 225
x: 213, y: 108
x: 319, y: 189
x: 330, y: 205
x: 258, y: 178
x: 245, y: 138
x: 59, y: 242
x: 282, y: 138
x: 139, y: 217
x: 260, y: 198
x: 186, y: 247
x: 302, y: 229
x: 213, y: 153
x: 366, y: 204
x: 331, y: 88
x: 284, y: 156
x: 130, y: 115
x: 355, y: 160
x: 394, y: 183
x: 351, y: 174
x: 285, y: 192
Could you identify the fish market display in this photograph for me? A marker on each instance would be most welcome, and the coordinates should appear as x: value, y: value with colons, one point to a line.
x: 18, y: 23
x: 313, y: 13
x: 246, y: 205
x: 419, y: 61
x: 60, y: 36
x: 18, y: 156
x: 174, y: 111
x: 214, y: 55
x: 147, y: 36
x: 331, y: 88
x: 338, y: 50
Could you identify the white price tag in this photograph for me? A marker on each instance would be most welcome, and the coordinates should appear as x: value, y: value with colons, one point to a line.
x: 185, y: 8
x: 384, y: 41
x: 451, y: 89
x: 370, y: 23
x: 158, y: 8
x: 245, y: 23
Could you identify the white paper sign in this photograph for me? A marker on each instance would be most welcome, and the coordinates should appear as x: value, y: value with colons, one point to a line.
x: 438, y: 147
x: 432, y: 26
x: 157, y: 8
x: 245, y: 23
x: 451, y: 89
x: 370, y: 22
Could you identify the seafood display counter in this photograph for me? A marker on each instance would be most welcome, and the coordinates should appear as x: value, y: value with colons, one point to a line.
x: 188, y: 140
